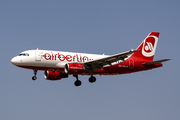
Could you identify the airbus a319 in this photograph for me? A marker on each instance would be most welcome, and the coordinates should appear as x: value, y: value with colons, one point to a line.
x: 58, y: 64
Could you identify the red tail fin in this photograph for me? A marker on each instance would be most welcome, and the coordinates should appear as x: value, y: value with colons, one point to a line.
x: 147, y: 48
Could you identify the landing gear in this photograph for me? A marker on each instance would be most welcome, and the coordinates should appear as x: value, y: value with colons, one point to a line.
x: 34, y: 78
x: 92, y: 79
x: 77, y: 82
x: 35, y: 73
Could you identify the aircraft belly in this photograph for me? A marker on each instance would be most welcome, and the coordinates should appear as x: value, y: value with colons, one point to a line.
x: 114, y: 70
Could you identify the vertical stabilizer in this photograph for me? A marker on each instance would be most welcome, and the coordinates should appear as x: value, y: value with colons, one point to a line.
x: 147, y: 48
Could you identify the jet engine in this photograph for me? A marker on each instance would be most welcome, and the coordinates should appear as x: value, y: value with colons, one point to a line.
x: 74, y: 68
x: 54, y: 75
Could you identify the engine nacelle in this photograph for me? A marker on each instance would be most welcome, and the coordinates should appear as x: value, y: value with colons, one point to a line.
x: 54, y: 75
x: 74, y: 68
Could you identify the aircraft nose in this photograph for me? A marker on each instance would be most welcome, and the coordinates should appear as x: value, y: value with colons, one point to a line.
x: 14, y: 61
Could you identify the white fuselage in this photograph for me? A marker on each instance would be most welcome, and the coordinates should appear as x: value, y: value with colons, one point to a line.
x: 51, y: 59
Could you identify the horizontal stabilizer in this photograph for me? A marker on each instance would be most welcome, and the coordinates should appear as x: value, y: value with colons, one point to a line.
x: 155, y: 62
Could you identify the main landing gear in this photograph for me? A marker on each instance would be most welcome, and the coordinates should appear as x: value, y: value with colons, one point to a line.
x: 78, y: 82
x: 92, y: 79
x: 35, y: 73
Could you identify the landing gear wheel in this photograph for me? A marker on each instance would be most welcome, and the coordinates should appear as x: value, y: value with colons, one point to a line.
x: 77, y: 83
x: 35, y: 73
x: 34, y: 78
x: 92, y: 79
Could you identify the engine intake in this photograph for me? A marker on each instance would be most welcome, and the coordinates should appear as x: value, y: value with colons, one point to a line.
x: 54, y: 75
x: 74, y: 68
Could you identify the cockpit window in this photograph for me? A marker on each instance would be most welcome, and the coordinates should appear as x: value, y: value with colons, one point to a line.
x: 23, y: 54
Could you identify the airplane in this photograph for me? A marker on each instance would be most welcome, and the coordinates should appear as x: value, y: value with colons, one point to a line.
x: 58, y: 64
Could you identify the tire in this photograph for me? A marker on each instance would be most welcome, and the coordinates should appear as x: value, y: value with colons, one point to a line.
x: 77, y: 83
x: 34, y: 78
x: 92, y: 79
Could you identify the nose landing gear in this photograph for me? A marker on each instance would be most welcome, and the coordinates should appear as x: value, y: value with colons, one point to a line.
x: 35, y: 73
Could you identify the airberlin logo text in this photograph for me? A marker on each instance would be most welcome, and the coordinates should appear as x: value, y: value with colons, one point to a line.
x: 63, y: 57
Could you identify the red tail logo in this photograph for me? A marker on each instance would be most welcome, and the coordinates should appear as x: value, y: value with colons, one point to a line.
x: 148, y: 47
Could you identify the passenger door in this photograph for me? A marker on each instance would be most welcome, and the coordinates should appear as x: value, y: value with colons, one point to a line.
x: 37, y: 55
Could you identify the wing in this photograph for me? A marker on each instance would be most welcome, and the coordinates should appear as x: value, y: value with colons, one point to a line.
x: 99, y: 63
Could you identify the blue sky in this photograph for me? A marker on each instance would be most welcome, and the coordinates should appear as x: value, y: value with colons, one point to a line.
x: 101, y: 26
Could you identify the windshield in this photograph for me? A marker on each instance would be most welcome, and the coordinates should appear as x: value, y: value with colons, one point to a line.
x: 23, y: 54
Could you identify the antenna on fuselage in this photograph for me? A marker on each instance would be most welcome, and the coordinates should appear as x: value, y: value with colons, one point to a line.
x: 37, y: 49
